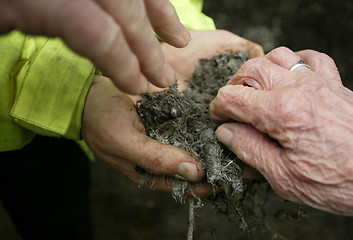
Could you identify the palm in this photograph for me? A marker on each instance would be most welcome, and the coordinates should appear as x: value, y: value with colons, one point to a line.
x: 205, y: 44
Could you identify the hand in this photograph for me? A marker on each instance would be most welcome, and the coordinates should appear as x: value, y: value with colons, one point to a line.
x: 205, y: 44
x: 115, y: 133
x: 297, y: 127
x: 117, y: 35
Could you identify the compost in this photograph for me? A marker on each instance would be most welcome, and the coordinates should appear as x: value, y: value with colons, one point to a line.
x: 182, y: 119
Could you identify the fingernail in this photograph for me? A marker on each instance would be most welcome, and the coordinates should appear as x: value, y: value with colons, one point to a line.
x: 212, y: 108
x: 169, y: 74
x: 188, y: 171
x: 225, y: 135
x: 213, y: 114
x: 186, y: 36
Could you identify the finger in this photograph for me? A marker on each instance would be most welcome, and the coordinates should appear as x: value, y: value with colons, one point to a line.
x: 321, y: 64
x: 260, y: 73
x: 134, y: 146
x: 285, y: 58
x: 157, y: 182
x: 163, y: 159
x: 153, y: 156
x: 132, y: 18
x: 88, y: 30
x: 247, y: 105
x: 166, y: 23
x: 252, y: 147
x: 255, y: 50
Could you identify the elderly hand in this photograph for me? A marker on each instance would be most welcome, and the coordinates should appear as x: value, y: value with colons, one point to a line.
x: 295, y: 127
x: 117, y: 35
x: 114, y: 132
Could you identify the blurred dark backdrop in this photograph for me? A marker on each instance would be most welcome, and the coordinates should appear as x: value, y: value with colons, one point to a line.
x: 122, y: 211
x: 325, y: 26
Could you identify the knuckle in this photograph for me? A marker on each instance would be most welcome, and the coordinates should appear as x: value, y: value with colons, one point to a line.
x: 129, y: 80
x: 280, y: 53
x: 257, y: 50
x: 168, y: 11
x: 282, y: 106
x: 162, y: 8
x: 106, y: 42
x: 138, y: 10
x: 326, y: 58
x: 291, y: 111
x: 131, y: 77
x: 223, y: 104
x: 223, y: 97
x: 153, y: 165
x: 154, y: 66
x: 229, y: 101
x: 101, y: 40
x: 281, y: 50
x: 252, y: 63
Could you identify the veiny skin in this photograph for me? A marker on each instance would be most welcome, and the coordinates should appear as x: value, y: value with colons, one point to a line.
x: 117, y: 35
x: 299, y: 126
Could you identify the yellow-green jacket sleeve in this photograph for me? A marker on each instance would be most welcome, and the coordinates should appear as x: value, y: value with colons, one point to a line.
x: 43, y: 85
x: 190, y: 14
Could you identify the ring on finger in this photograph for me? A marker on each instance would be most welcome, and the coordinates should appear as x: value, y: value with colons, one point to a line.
x: 299, y: 64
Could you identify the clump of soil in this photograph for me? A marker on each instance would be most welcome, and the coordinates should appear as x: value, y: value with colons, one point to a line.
x: 182, y: 119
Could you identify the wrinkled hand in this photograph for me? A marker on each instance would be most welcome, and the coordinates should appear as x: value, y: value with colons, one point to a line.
x: 117, y: 35
x: 297, y: 127
x: 115, y: 133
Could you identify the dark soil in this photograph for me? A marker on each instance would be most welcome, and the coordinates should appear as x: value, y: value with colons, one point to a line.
x: 182, y: 119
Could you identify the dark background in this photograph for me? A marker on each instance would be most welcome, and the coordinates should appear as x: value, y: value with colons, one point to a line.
x: 122, y: 211
x: 325, y: 26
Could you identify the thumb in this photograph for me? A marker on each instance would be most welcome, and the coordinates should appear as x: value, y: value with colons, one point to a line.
x: 165, y: 159
x: 245, y: 104
x: 251, y: 146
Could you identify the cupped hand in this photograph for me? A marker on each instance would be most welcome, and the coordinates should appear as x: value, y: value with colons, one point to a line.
x: 117, y: 35
x: 296, y: 127
x: 205, y: 44
x: 114, y: 132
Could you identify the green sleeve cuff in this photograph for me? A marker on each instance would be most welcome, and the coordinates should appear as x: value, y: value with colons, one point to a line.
x: 53, y: 82
x: 12, y: 136
x: 189, y: 12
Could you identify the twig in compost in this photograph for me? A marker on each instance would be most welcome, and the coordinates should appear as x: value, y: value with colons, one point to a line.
x: 190, y: 235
